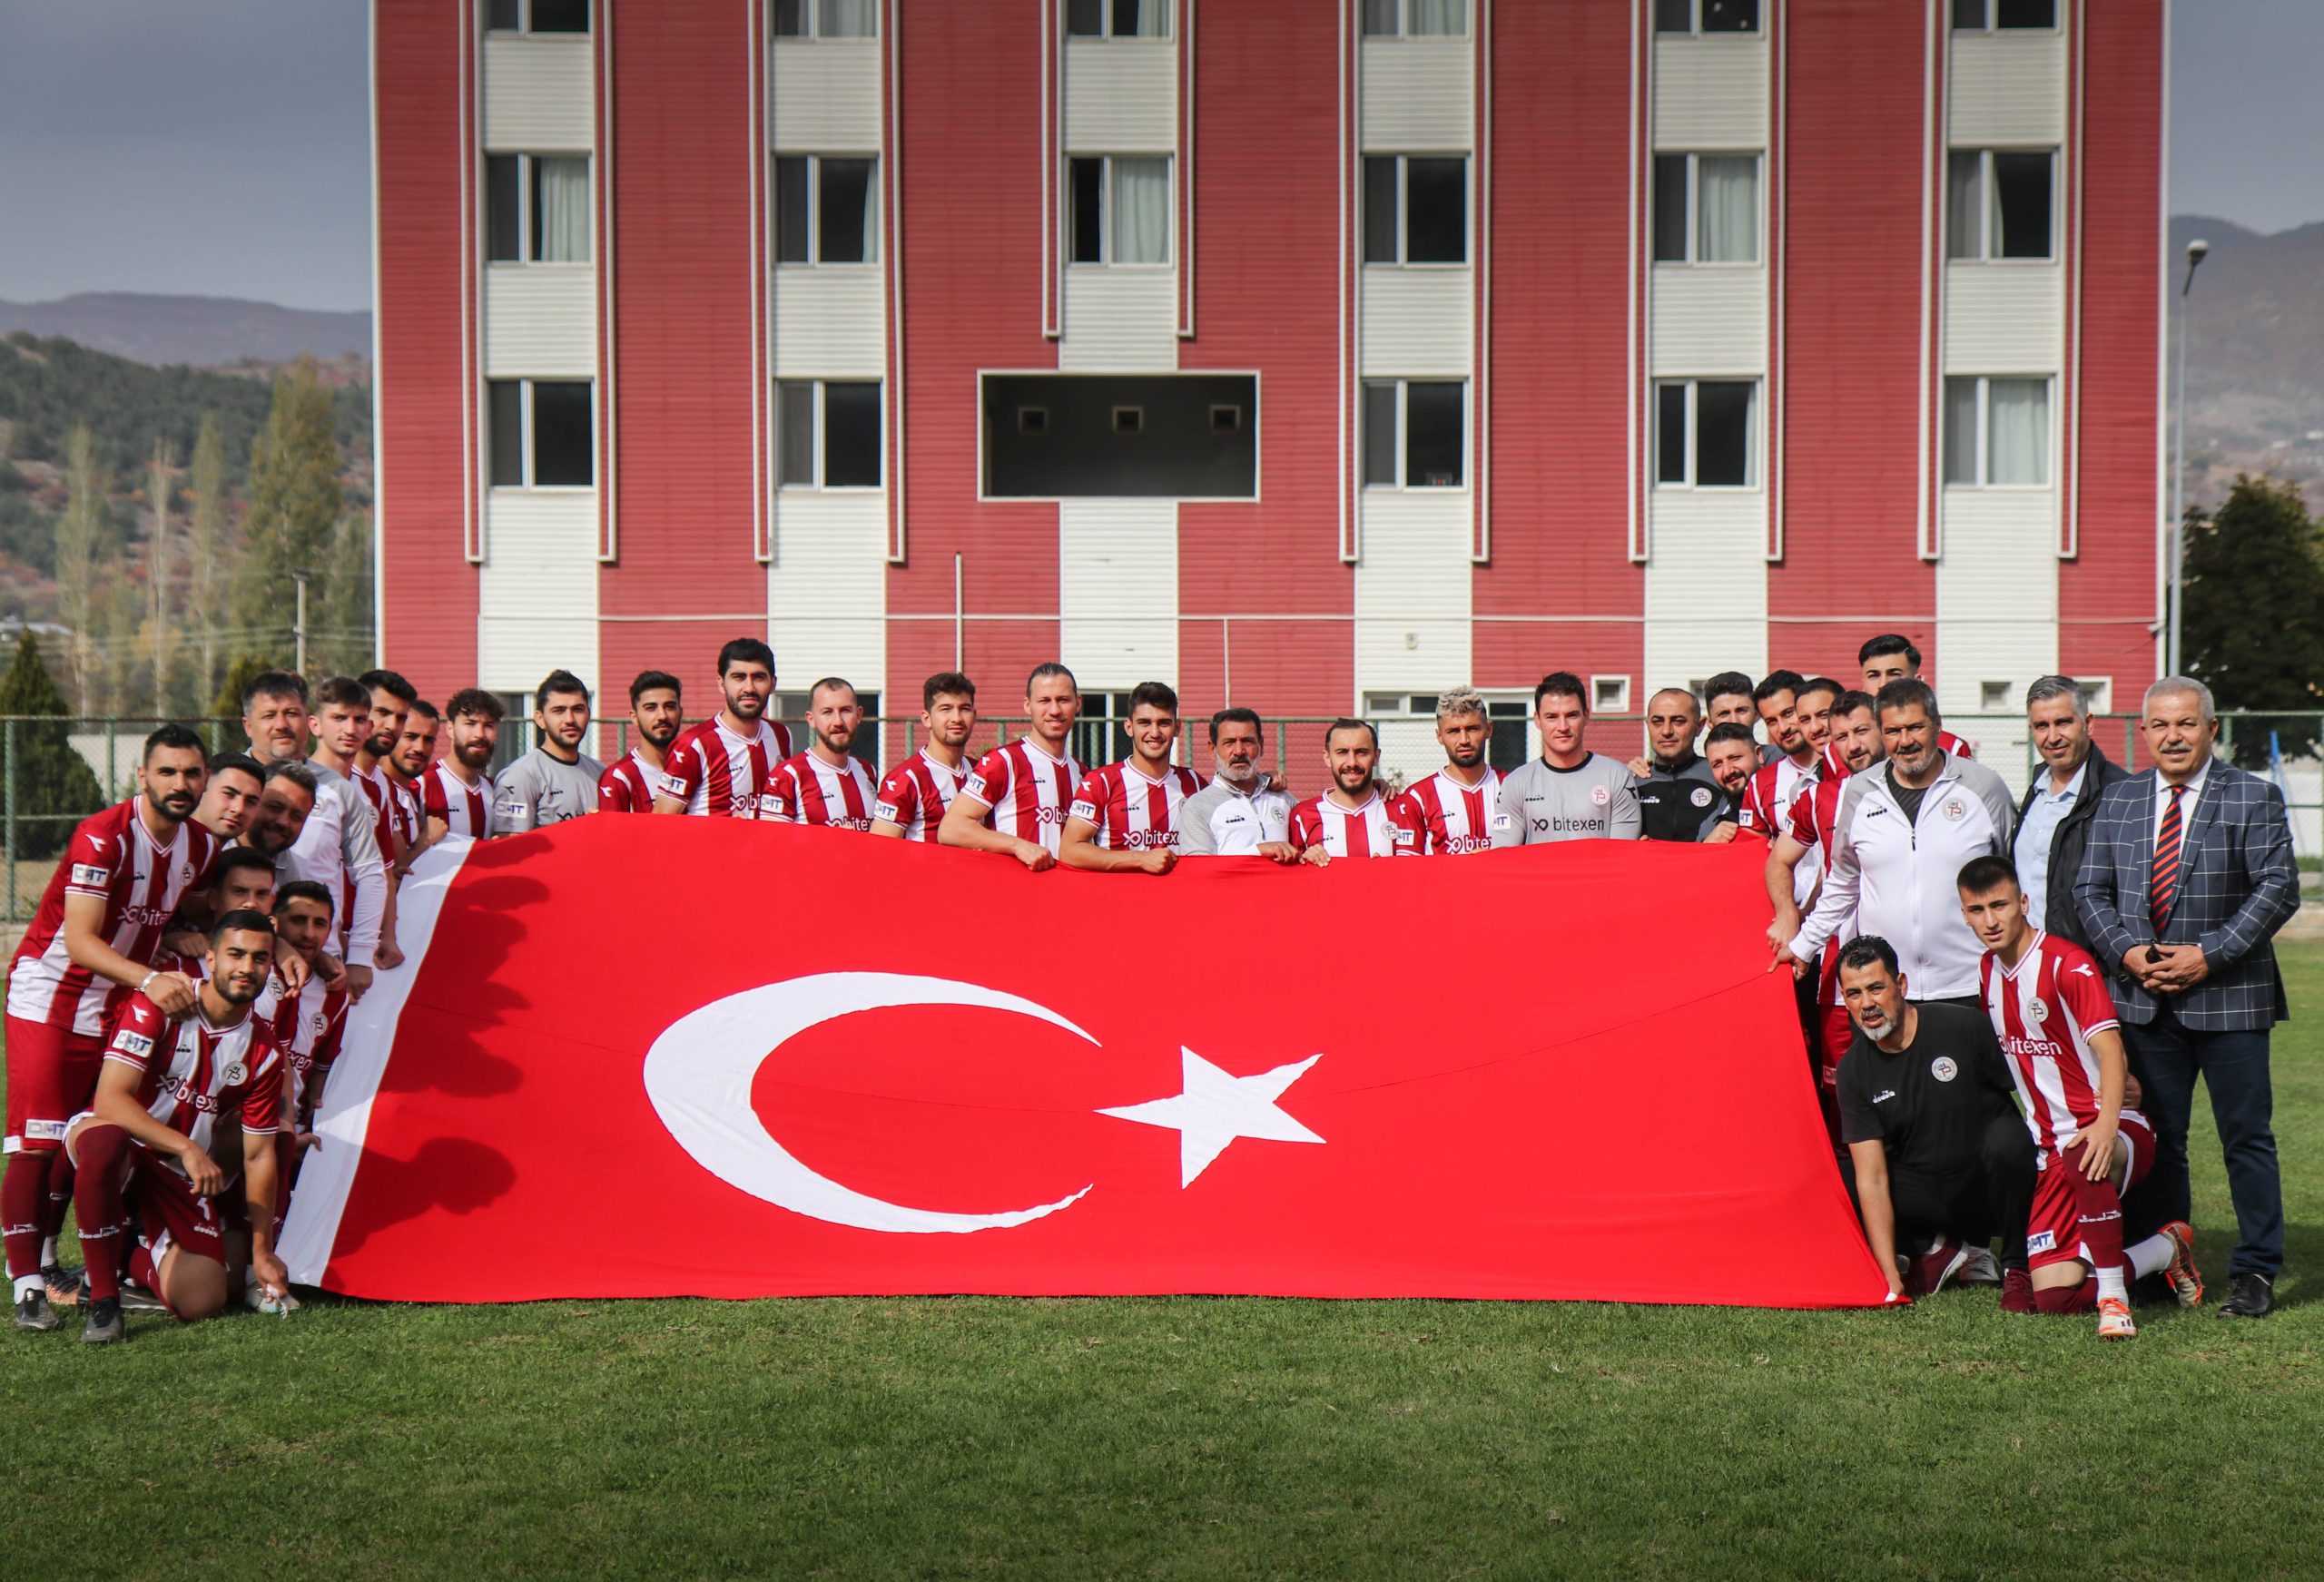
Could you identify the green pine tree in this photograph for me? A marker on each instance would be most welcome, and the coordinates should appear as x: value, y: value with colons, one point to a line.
x: 294, y: 508
x: 2252, y: 629
x: 228, y: 703
x: 51, y: 785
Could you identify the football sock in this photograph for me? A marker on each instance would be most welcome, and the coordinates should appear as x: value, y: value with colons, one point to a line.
x: 96, y: 1202
x: 21, y: 1191
x: 2151, y: 1256
x: 2111, y: 1286
x: 2099, y: 1208
x: 2067, y: 1299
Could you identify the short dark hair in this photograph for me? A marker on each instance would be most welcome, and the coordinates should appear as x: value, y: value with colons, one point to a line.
x: 830, y: 684
x: 237, y: 760
x: 178, y: 737
x: 1908, y: 692
x: 1818, y: 683
x: 1731, y: 731
x: 1562, y: 683
x: 390, y: 683
x: 1727, y: 683
x: 1886, y: 644
x: 302, y: 889
x: 475, y: 701
x: 291, y: 770
x: 273, y: 683
x: 559, y: 683
x: 426, y: 709
x: 1778, y: 681
x: 242, y: 918
x: 1237, y: 717
x: 1866, y: 949
x: 1992, y: 870
x: 344, y: 691
x: 749, y: 650
x: 946, y: 684
x: 1345, y: 723
x: 1154, y: 695
x: 648, y: 681
x: 235, y: 857
x: 1043, y: 671
x: 1848, y: 703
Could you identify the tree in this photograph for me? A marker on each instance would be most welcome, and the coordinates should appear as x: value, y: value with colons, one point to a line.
x: 295, y: 504
x: 80, y: 550
x: 2253, y: 627
x: 157, y: 571
x: 207, y: 549
x: 346, y: 645
x: 228, y: 703
x: 52, y: 786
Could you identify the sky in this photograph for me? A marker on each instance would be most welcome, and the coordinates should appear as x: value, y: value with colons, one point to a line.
x: 223, y: 147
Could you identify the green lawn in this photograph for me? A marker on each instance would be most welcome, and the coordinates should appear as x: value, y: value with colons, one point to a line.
x: 1196, y: 1438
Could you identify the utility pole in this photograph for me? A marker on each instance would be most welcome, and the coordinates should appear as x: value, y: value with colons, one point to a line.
x: 2172, y: 655
x: 157, y: 566
x: 298, y: 627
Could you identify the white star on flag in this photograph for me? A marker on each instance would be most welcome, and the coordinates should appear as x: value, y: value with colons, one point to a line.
x: 1214, y: 1108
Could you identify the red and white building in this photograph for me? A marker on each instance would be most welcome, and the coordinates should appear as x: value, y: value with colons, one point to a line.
x: 1314, y: 354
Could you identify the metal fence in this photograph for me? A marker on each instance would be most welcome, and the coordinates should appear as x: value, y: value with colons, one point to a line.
x: 55, y: 772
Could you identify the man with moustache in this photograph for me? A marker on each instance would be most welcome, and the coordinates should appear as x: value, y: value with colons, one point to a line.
x: 1238, y: 813
x: 414, y: 754
x: 1451, y: 812
x: 827, y: 786
x: 916, y: 792
x: 338, y: 845
x: 555, y: 780
x: 1351, y: 820
x: 1015, y: 798
x: 392, y: 698
x: 627, y: 785
x: 456, y: 790
x: 719, y: 768
x: 1679, y: 798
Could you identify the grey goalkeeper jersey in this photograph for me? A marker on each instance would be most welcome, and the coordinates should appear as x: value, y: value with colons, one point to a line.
x: 1597, y: 799
x: 537, y: 790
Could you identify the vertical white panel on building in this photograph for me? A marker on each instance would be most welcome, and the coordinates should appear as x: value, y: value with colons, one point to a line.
x: 826, y: 94
x: 831, y: 321
x: 1996, y: 614
x: 1418, y: 96
x: 2005, y: 318
x: 1117, y: 591
x: 1413, y: 591
x: 827, y: 591
x: 1120, y: 321
x: 536, y: 591
x: 1705, y: 588
x: 1121, y: 95
x: 540, y: 322
x: 538, y: 97
x: 2007, y: 90
x: 1708, y: 320
x: 1710, y: 93
x: 1418, y: 320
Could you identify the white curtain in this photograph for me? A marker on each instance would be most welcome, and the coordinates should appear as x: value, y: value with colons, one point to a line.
x: 849, y: 18
x: 1965, y: 197
x: 562, y: 216
x: 1726, y: 206
x: 1440, y: 18
x: 2017, y: 414
x: 1141, y: 210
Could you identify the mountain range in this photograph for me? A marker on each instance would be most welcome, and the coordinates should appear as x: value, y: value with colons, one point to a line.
x: 201, y: 331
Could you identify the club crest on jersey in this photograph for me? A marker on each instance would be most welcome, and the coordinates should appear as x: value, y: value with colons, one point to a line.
x: 234, y: 1073
x: 1944, y: 1069
x: 1599, y: 796
x: 1954, y: 809
x: 185, y: 873
x: 1700, y: 796
x: 2037, y: 1010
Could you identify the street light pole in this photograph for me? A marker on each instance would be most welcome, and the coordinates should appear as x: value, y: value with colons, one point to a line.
x: 2172, y: 654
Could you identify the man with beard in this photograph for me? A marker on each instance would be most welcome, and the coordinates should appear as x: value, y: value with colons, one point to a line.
x: 555, y: 780
x: 90, y: 947
x: 456, y: 791
x: 916, y: 792
x: 1727, y: 700
x: 1351, y: 820
x: 1238, y: 813
x: 309, y: 1023
x: 392, y: 698
x: 342, y: 725
x: 1451, y: 812
x: 1732, y: 753
x: 230, y: 797
x: 627, y: 785
x: 337, y: 846
x: 719, y: 768
x: 415, y: 750
x: 1767, y: 801
x: 168, y: 1089
x: 1015, y: 798
x: 1890, y: 657
x: 1125, y: 816
x: 1678, y: 796
x: 826, y: 786
x: 284, y: 801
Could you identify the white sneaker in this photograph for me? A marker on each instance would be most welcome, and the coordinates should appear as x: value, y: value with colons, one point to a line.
x: 1979, y: 1270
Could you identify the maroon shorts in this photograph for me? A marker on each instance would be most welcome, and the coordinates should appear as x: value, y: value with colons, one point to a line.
x: 2053, y: 1229
x: 170, y: 1213
x: 52, y: 1077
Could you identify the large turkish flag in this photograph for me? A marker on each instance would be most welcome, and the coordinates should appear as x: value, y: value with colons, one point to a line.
x: 652, y: 1057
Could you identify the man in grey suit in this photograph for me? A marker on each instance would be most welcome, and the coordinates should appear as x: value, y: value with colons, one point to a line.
x: 2188, y: 875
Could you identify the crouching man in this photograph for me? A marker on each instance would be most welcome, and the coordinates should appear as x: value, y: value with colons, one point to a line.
x: 1941, y: 1161
x: 166, y: 1093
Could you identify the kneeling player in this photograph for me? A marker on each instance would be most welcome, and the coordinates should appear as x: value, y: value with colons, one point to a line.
x: 162, y: 1099
x: 2055, y: 1021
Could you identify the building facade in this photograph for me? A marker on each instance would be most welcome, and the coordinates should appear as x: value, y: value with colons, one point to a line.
x: 1313, y: 354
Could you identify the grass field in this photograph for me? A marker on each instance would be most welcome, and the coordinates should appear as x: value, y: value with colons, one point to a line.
x: 1199, y: 1437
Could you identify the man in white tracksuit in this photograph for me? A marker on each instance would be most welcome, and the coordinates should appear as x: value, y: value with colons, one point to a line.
x: 1899, y: 840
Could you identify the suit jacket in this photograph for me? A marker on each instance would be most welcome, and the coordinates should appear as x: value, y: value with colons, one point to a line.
x: 2056, y: 910
x: 2237, y: 886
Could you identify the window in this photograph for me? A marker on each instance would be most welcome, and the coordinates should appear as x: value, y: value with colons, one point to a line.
x: 1117, y: 18
x: 1707, y: 208
x: 1706, y: 15
x: 1120, y: 210
x: 1415, y: 18
x: 829, y: 433
x: 537, y: 208
x: 826, y: 210
x: 1990, y: 15
x: 538, y: 16
x: 1998, y: 204
x: 1705, y: 433
x: 1414, y: 432
x: 1997, y: 432
x: 792, y: 709
x: 1610, y: 694
x: 542, y: 433
x: 1510, y: 717
x: 1415, y: 210
x: 1992, y: 697
x: 825, y: 18
x: 1050, y: 437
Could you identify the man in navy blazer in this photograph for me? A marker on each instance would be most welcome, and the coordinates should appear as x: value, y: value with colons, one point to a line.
x: 2186, y: 876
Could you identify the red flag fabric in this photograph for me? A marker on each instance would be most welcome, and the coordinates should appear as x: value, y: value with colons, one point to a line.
x: 652, y: 1057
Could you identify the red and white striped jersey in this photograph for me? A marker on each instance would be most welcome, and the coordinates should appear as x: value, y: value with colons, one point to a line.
x: 191, y: 1075
x: 309, y: 1030
x: 808, y: 791
x: 1812, y: 817
x: 916, y: 792
x: 1441, y: 816
x: 113, y: 859
x: 720, y: 775
x: 2044, y: 1010
x: 1364, y: 831
x: 627, y: 785
x: 394, y: 805
x: 1025, y: 791
x: 1132, y: 812
x: 465, y: 809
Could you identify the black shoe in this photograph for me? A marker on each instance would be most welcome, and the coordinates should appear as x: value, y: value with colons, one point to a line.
x: 64, y: 1285
x: 104, y: 1325
x: 2254, y: 1297
x: 33, y: 1312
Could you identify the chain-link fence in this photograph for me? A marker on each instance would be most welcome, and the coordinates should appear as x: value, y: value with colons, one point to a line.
x: 55, y: 772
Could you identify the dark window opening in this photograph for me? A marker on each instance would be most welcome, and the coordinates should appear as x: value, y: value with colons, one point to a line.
x: 2025, y: 13
x: 1123, y: 436
x: 562, y: 451
x: 1380, y: 209
x: 1723, y: 432
x: 1088, y: 180
x: 1432, y: 433
x: 501, y: 17
x: 790, y: 194
x: 846, y: 194
x: 1380, y: 19
x: 790, y: 18
x: 1670, y: 208
x: 503, y: 240
x: 2021, y: 204
x: 851, y: 435
x: 1436, y: 211
x: 1128, y: 420
x: 795, y: 402
x: 1674, y: 15
x: 1670, y: 435
x: 1085, y: 18
x: 1380, y: 435
x: 1730, y: 15
x: 560, y: 15
x: 504, y: 426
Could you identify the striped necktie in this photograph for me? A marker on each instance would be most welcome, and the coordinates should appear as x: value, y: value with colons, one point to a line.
x: 2162, y: 888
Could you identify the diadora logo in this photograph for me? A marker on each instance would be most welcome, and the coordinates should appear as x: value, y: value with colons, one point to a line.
x: 1874, y: 812
x: 1884, y: 1096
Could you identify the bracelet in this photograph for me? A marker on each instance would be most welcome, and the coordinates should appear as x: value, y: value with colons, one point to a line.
x: 149, y: 981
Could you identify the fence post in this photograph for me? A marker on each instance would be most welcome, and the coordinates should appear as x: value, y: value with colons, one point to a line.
x: 8, y: 808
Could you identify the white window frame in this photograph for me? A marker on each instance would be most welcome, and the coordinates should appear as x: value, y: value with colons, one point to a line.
x: 1985, y: 434
x: 1755, y: 470
x: 524, y: 28
x: 2100, y: 691
x: 819, y: 444
x: 1695, y: 14
x: 1403, y: 437
x: 1694, y: 157
x: 1987, y: 704
x: 1106, y: 213
x: 1992, y: 28
x: 1105, y: 34
x: 525, y: 159
x: 1619, y: 686
x: 1404, y: 33
x: 811, y: 12
x: 1403, y: 210
x: 815, y: 259
x: 1989, y: 211
x: 525, y: 439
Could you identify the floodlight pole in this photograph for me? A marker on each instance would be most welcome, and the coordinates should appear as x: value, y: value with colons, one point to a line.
x: 2172, y: 654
